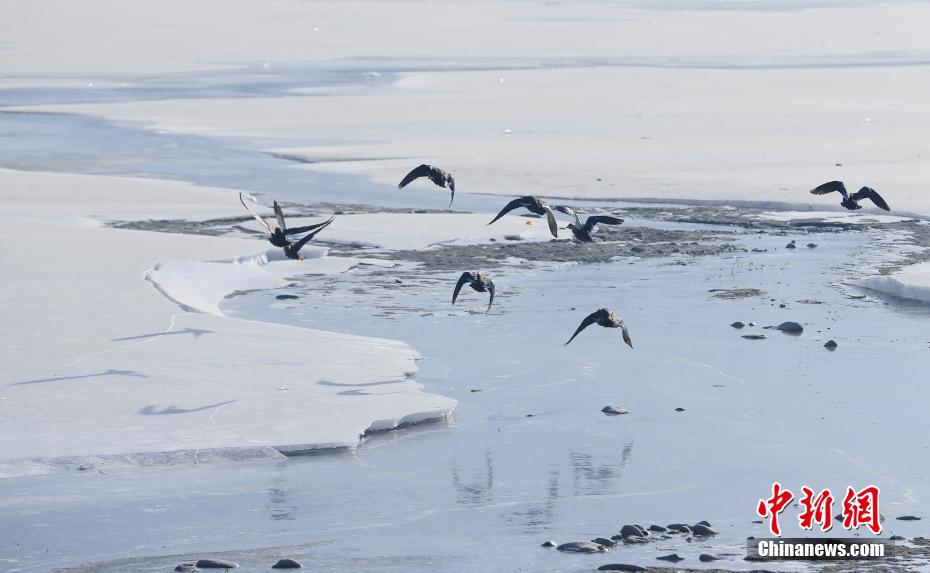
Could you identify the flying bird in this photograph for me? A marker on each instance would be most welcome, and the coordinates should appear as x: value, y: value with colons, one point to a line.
x: 279, y: 232
x: 607, y: 318
x: 851, y: 202
x: 534, y: 205
x: 292, y: 250
x: 583, y: 232
x: 436, y: 175
x: 478, y: 283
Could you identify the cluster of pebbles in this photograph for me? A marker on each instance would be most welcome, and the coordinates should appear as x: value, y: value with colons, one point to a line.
x: 637, y: 534
x: 227, y: 565
x: 786, y: 327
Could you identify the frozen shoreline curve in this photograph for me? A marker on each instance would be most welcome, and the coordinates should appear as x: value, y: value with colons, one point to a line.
x: 911, y: 282
x: 110, y: 372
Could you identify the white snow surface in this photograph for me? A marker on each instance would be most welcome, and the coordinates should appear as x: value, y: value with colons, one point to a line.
x: 662, y: 105
x: 99, y: 363
x: 912, y: 282
x: 848, y: 218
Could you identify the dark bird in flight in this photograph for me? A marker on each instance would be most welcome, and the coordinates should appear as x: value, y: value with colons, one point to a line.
x: 280, y: 231
x: 292, y: 250
x: 851, y: 202
x: 607, y: 318
x: 583, y: 232
x: 435, y: 174
x: 534, y: 205
x: 478, y: 283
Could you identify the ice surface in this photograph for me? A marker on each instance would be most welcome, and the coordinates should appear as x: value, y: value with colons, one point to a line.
x: 913, y: 282
x: 484, y: 492
x: 102, y: 364
x: 845, y: 217
x: 599, y: 101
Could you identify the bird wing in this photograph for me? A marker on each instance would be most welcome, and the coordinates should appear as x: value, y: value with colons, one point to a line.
x: 279, y: 215
x: 871, y: 194
x: 466, y: 277
x: 489, y: 284
x: 515, y: 204
x: 258, y: 217
x: 553, y: 226
x: 626, y: 334
x: 594, y: 220
x: 421, y: 171
x: 568, y: 211
x: 299, y: 230
x: 303, y: 240
x: 451, y: 188
x: 829, y: 187
x: 588, y: 321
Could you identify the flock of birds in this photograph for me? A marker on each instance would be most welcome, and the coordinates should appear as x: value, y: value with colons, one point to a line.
x: 280, y: 233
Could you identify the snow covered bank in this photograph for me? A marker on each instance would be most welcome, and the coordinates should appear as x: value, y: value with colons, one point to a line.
x: 98, y: 363
x: 912, y: 282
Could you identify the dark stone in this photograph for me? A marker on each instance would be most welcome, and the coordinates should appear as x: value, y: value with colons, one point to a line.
x: 287, y: 564
x: 216, y: 564
x: 737, y: 324
x: 475, y: 390
x: 616, y: 537
x: 673, y: 557
x: 679, y: 409
x: 614, y: 410
x: 580, y: 547
x: 831, y: 345
x: 897, y: 538
x: 605, y: 542
x: 706, y: 557
x: 287, y: 297
x: 620, y: 567
x: 186, y: 568
x: 791, y: 245
x: 634, y: 539
x: 702, y: 530
x: 548, y: 544
x: 908, y: 518
x: 632, y: 530
x: 658, y: 528
x: 790, y: 327
x: 811, y: 245
x: 754, y: 336
x: 703, y: 522
x: 679, y: 527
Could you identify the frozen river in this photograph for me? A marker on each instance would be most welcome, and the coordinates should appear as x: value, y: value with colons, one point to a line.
x: 655, y: 110
x: 528, y: 455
